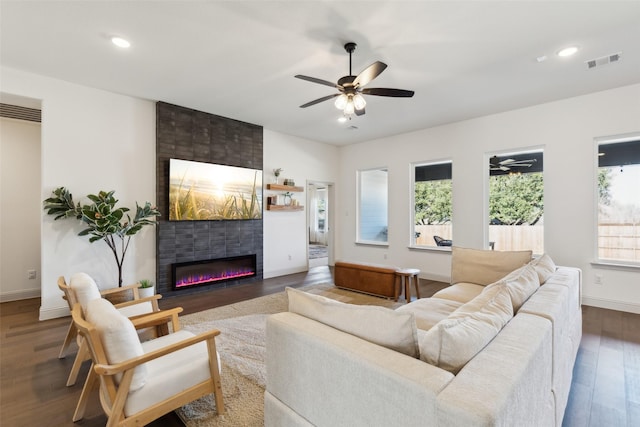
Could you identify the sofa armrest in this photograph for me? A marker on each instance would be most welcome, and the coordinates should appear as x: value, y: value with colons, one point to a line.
x: 329, y: 377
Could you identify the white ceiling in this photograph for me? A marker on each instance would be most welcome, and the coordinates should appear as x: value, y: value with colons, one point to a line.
x: 237, y: 59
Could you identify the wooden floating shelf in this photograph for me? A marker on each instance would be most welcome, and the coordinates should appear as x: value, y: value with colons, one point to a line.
x: 284, y: 208
x: 280, y: 187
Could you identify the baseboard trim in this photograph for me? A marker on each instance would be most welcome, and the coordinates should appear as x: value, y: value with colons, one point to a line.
x: 278, y: 273
x: 611, y: 304
x: 53, y: 313
x: 19, y: 295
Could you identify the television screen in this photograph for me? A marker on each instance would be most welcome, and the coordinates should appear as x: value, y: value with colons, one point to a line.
x: 206, y: 191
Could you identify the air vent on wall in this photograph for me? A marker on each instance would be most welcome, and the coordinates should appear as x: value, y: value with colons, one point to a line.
x: 21, y: 113
x: 599, y: 62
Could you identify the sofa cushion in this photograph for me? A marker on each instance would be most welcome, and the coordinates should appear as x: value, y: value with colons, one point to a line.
x: 486, y: 299
x: 460, y: 292
x: 545, y: 267
x: 429, y: 311
x: 119, y: 337
x: 520, y: 283
x: 452, y: 342
x: 84, y: 288
x: 388, y: 328
x: 484, y: 267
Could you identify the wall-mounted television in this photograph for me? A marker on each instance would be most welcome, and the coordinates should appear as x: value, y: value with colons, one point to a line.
x: 207, y: 191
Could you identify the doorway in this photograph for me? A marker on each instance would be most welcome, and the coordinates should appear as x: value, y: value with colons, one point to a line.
x: 319, y: 195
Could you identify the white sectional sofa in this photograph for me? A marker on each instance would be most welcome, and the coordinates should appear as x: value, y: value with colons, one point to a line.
x: 464, y: 357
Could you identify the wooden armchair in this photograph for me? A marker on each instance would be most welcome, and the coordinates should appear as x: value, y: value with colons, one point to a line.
x: 165, y: 373
x: 85, y: 290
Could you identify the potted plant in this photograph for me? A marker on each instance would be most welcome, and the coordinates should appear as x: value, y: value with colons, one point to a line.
x: 277, y: 173
x: 103, y: 220
x: 146, y: 288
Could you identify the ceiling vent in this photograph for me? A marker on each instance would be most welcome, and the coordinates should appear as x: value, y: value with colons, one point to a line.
x: 21, y: 113
x: 599, y: 62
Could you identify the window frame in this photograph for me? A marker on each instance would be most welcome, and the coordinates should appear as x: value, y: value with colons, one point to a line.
x: 412, y: 203
x: 597, y: 261
x: 359, y: 240
x: 516, y: 151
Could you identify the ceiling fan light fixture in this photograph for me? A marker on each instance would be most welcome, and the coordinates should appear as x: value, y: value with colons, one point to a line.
x: 359, y: 102
x: 341, y: 102
x: 350, y: 107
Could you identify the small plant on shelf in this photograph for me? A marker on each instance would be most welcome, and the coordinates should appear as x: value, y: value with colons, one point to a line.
x: 277, y: 173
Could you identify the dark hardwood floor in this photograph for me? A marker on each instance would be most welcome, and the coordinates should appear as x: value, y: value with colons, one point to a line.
x: 605, y: 390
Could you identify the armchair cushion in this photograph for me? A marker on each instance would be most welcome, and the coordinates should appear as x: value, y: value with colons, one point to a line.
x: 84, y: 288
x: 170, y: 374
x: 118, y: 336
x: 484, y: 267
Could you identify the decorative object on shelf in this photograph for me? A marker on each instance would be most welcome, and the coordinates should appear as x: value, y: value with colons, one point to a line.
x: 277, y: 172
x: 289, y: 181
x: 287, y: 198
x: 146, y: 289
x: 103, y: 220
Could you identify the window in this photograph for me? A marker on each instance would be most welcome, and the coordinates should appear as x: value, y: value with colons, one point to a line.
x: 431, y: 205
x: 516, y: 207
x: 372, y: 206
x: 618, y: 180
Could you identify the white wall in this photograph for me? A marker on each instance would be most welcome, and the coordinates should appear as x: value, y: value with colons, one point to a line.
x: 566, y: 129
x: 20, y: 208
x: 92, y: 140
x: 285, y: 233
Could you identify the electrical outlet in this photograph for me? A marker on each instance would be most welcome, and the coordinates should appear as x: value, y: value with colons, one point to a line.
x: 598, y: 279
x: 31, y: 274
x: 289, y: 257
x: 385, y: 256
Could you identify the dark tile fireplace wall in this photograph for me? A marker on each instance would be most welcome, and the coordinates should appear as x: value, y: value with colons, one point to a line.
x: 187, y: 134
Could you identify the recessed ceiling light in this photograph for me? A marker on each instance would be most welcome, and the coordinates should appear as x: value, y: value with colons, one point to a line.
x: 567, y: 51
x: 120, y: 42
x: 342, y: 119
x: 541, y: 58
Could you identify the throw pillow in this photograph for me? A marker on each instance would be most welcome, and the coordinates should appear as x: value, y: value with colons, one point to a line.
x: 84, y: 288
x: 454, y: 341
x: 379, y: 325
x: 488, y: 298
x: 118, y: 336
x: 520, y: 283
x: 545, y: 267
x: 484, y: 267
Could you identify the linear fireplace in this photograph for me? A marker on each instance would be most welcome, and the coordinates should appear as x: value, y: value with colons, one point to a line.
x: 208, y: 272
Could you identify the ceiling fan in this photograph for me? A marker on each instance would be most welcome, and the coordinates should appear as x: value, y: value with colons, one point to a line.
x: 496, y: 164
x: 351, y: 88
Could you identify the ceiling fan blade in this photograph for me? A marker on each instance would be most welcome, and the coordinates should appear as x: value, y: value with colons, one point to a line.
x: 398, y: 93
x: 315, y: 80
x: 319, y: 100
x: 369, y: 73
x: 360, y: 112
x: 507, y: 161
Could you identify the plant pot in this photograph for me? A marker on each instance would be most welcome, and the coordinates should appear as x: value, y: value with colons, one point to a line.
x: 147, y: 292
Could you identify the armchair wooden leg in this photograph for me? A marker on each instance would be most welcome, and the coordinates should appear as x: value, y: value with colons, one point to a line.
x: 71, y: 335
x: 81, y: 356
x: 215, y: 375
x: 89, y: 386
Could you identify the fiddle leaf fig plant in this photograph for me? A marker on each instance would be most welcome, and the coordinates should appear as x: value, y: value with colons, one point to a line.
x: 104, y: 221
